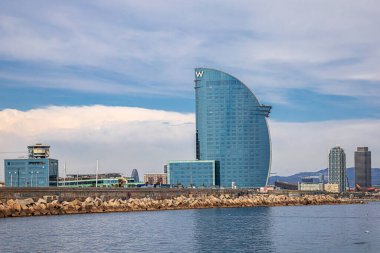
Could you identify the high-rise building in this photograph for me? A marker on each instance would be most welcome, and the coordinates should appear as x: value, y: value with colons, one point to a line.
x: 337, y: 168
x: 232, y: 129
x: 135, y: 175
x: 363, y: 167
x: 37, y: 171
x: 231, y: 133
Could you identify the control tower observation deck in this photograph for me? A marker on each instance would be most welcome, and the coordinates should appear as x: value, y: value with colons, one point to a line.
x: 38, y: 151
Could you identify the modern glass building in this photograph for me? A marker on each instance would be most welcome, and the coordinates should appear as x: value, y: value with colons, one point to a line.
x: 31, y: 172
x: 363, y: 167
x: 232, y: 129
x: 135, y: 175
x: 337, y: 168
x: 191, y: 173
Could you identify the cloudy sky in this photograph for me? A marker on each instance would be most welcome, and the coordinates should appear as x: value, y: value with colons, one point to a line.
x: 113, y: 80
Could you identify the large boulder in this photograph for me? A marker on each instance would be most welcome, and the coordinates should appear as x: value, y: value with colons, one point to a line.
x: 48, y: 199
x: 25, y: 202
x: 89, y: 200
x: 41, y: 201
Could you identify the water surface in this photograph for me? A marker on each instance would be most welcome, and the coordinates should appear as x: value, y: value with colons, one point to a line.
x: 329, y: 228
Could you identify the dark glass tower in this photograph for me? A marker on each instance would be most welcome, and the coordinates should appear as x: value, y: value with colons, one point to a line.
x: 135, y: 176
x: 363, y: 167
x: 232, y: 129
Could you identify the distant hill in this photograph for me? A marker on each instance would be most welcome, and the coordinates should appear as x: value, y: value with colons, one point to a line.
x: 350, y: 174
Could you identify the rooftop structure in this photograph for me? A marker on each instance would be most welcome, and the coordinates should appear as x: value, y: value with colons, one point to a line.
x: 38, y: 151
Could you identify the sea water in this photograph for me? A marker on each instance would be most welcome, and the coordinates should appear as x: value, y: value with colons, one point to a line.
x: 327, y: 228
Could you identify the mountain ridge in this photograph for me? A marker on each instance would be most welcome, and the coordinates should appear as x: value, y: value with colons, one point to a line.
x: 350, y: 175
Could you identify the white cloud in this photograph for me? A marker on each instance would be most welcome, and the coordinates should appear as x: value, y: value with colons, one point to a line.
x: 123, y: 138
x: 268, y: 44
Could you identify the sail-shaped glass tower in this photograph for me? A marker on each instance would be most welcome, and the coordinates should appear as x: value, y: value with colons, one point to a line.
x: 232, y: 129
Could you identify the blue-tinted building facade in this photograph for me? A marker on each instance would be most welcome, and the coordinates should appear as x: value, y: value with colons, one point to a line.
x: 191, y: 173
x: 232, y: 129
x: 30, y: 172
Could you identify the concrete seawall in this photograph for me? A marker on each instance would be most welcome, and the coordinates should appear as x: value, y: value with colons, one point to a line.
x: 69, y: 194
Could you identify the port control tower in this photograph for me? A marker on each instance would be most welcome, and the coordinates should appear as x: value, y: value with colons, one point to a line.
x: 38, y: 151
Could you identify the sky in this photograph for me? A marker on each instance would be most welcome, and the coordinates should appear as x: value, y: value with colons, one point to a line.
x: 113, y: 80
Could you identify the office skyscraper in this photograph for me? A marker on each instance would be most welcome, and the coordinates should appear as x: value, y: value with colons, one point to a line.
x: 363, y: 167
x: 337, y: 168
x: 232, y: 129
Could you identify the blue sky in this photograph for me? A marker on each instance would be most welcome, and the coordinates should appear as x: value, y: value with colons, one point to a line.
x: 313, y: 61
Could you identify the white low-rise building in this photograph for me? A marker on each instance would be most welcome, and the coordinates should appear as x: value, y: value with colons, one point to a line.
x: 312, y: 183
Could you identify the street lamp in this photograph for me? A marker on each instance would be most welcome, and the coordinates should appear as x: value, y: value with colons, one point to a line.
x: 11, y: 174
x: 36, y: 178
x: 31, y: 178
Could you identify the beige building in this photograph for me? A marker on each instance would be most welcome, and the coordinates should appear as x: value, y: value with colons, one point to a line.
x: 155, y: 178
x: 2, y: 184
x: 332, y: 187
x: 310, y: 187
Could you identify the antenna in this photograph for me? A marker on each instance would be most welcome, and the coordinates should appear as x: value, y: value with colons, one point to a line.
x: 64, y: 171
x: 97, y: 170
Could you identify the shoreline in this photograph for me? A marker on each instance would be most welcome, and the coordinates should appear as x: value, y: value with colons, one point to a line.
x: 51, y: 205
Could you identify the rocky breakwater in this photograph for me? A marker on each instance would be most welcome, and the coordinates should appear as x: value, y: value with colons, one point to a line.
x: 50, y: 205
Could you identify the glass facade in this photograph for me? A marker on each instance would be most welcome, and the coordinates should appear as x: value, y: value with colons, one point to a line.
x: 104, y: 182
x: 31, y: 172
x: 337, y: 168
x: 191, y: 173
x: 363, y: 175
x: 232, y: 129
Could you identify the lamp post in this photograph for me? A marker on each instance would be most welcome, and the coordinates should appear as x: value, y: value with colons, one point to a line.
x: 36, y: 178
x: 10, y: 173
x: 97, y: 170
x: 31, y: 178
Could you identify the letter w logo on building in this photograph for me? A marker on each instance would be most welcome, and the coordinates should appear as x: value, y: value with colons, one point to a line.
x: 198, y: 74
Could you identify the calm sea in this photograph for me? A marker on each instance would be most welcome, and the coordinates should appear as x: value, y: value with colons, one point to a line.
x: 335, y: 228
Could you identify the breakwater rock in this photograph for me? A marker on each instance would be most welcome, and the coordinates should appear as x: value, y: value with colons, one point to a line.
x: 51, y: 205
